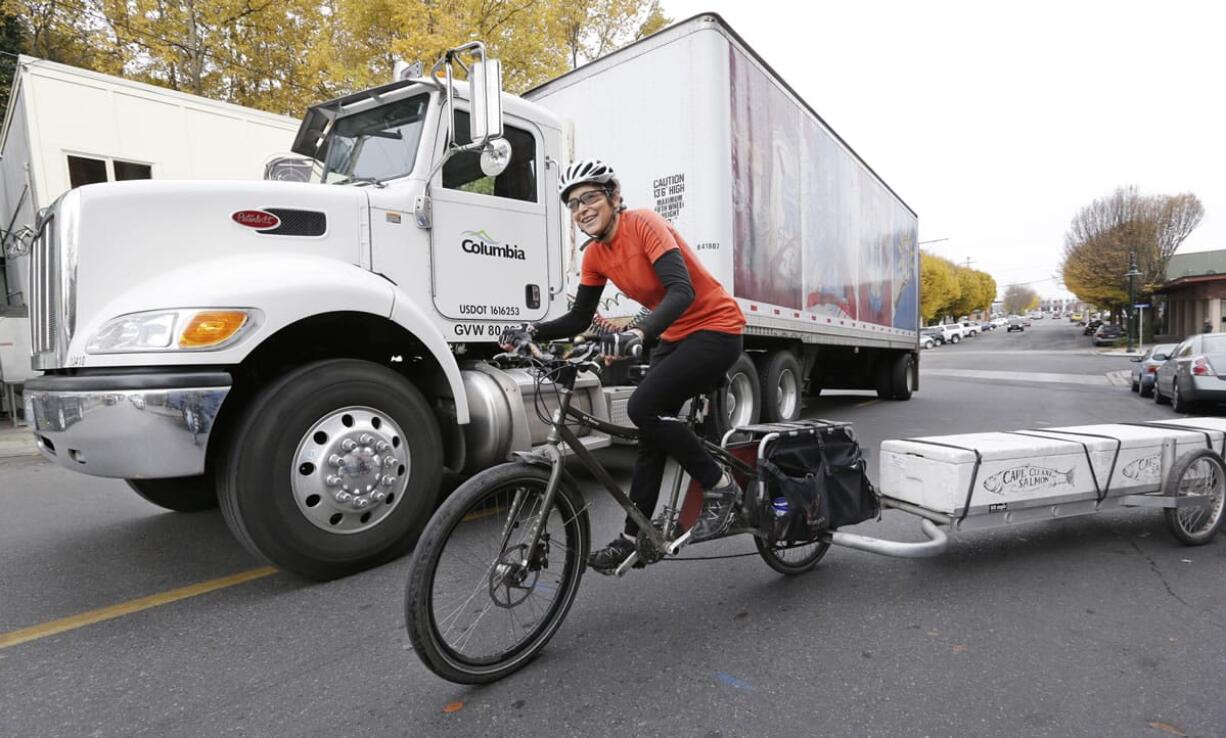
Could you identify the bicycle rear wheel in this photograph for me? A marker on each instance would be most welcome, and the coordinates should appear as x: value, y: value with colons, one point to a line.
x: 791, y: 559
x: 475, y: 613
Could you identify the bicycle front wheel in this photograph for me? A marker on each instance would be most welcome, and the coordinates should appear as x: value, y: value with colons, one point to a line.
x: 482, y: 601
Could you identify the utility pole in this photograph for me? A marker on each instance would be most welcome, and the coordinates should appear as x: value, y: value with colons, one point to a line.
x: 1132, y: 275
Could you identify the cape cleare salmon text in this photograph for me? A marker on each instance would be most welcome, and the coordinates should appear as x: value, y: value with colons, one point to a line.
x: 1025, y: 478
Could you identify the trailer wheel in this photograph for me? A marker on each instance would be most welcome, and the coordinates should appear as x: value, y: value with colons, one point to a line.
x: 181, y: 494
x: 781, y: 387
x: 1198, y: 472
x: 741, y: 404
x: 334, y: 468
x: 894, y: 378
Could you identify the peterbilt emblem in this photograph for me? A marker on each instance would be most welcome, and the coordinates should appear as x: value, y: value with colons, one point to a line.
x: 257, y: 219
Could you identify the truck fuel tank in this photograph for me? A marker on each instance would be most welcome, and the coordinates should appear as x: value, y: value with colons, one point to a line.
x: 504, y: 406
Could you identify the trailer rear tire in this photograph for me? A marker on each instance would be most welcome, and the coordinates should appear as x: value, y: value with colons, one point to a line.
x: 334, y: 468
x: 742, y: 403
x: 781, y: 387
x: 180, y: 494
x: 1196, y: 472
x: 894, y: 378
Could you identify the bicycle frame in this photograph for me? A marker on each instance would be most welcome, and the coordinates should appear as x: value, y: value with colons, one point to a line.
x: 551, y: 454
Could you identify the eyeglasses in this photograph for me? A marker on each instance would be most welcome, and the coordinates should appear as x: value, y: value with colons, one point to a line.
x: 591, y: 197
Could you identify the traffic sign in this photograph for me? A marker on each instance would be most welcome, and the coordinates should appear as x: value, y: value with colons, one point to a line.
x: 1141, y: 307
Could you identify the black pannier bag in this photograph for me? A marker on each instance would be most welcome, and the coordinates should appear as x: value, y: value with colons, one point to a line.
x: 823, y: 478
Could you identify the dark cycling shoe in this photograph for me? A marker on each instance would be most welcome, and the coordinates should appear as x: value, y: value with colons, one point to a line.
x: 718, y: 508
x: 607, y: 559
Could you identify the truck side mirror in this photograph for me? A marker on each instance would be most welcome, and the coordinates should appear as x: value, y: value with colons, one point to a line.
x: 485, y: 83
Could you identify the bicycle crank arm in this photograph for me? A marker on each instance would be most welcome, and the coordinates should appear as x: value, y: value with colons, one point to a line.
x: 678, y: 544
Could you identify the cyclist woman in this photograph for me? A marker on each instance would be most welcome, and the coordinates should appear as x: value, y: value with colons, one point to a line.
x: 698, y: 324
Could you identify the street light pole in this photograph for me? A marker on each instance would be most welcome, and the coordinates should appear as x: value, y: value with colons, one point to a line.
x: 1132, y: 275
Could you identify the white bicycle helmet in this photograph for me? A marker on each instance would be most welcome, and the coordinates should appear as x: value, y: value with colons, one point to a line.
x: 585, y: 171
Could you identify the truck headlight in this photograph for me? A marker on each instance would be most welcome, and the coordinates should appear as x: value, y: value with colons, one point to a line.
x: 171, y: 330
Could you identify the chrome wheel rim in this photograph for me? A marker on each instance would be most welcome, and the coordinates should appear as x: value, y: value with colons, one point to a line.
x: 787, y: 394
x: 1202, y: 478
x: 739, y: 400
x: 350, y: 470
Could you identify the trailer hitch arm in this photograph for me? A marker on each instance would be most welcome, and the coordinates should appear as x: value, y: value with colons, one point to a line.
x: 937, y: 542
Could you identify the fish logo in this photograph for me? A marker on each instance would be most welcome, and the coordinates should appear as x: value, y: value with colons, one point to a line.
x: 1026, y: 478
x: 1144, y: 469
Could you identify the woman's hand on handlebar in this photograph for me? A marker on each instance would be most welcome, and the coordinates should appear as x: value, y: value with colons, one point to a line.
x: 514, y: 337
x: 623, y: 345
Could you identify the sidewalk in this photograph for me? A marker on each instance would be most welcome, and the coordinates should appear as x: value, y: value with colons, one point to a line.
x: 16, y: 441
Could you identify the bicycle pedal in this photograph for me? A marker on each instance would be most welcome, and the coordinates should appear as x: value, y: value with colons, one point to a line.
x: 626, y: 565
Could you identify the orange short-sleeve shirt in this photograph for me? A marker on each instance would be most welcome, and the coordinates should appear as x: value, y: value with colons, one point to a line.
x: 642, y: 237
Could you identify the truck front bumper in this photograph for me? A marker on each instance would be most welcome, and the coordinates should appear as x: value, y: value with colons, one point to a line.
x: 130, y: 426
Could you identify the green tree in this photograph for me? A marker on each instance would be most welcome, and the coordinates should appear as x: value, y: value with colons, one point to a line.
x: 12, y: 42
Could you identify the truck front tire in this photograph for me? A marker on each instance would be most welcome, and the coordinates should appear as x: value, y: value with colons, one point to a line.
x: 334, y: 468
x: 180, y: 494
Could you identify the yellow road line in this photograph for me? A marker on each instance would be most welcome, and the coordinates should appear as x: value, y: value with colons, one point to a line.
x: 866, y: 404
x: 73, y: 622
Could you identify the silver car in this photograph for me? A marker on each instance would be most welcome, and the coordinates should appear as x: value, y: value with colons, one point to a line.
x: 1145, y: 368
x: 1190, y: 374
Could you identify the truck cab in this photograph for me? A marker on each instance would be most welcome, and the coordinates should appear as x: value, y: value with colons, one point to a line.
x: 306, y: 355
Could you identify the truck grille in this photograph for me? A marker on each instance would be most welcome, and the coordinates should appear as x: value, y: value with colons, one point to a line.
x: 44, y: 295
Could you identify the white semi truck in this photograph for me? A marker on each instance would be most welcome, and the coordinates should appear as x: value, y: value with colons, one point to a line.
x: 315, y: 356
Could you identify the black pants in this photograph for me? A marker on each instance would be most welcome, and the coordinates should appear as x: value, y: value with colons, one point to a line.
x: 696, y: 364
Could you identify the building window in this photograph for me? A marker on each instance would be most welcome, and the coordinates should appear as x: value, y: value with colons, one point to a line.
x: 83, y: 170
x: 130, y: 170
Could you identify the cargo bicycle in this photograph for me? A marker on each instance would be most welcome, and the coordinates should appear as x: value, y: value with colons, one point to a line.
x: 499, y: 564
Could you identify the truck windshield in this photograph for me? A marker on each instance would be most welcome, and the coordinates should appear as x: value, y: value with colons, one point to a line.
x: 376, y: 144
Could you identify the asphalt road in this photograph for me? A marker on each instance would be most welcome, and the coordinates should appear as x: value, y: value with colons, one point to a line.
x: 1088, y: 627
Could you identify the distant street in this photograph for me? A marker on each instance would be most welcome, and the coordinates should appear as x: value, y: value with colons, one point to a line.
x: 1102, y: 626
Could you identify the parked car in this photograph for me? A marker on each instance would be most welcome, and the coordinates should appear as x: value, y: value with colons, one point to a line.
x: 930, y: 338
x: 1091, y: 327
x: 950, y: 332
x: 1107, y: 334
x: 1074, y: 318
x: 999, y: 322
x: 1145, y: 368
x: 970, y: 329
x: 1026, y: 322
x: 1015, y: 324
x: 988, y: 326
x: 1188, y: 376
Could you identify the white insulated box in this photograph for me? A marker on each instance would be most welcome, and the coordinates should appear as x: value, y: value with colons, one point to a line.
x: 1029, y: 468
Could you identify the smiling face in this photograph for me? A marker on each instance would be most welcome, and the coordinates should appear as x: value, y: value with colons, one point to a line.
x: 595, y: 211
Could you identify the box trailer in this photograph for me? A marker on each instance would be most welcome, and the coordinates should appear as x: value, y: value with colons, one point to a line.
x: 314, y: 357
x: 818, y: 250
x: 66, y: 127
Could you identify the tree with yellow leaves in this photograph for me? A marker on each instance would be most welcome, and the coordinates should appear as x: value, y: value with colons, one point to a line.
x: 283, y: 55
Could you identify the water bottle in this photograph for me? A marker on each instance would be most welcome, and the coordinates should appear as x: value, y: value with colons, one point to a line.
x: 780, y: 506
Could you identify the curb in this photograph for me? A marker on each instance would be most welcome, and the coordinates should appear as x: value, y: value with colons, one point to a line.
x: 17, y: 442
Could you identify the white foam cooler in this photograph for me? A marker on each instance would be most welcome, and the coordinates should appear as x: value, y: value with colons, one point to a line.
x: 1030, y: 468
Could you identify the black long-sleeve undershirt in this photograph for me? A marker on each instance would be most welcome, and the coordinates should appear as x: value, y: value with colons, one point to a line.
x: 678, y: 296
